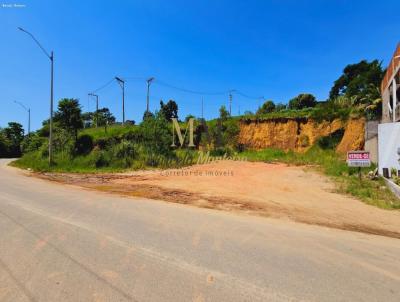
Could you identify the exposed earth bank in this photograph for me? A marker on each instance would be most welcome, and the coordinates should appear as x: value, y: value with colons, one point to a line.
x: 300, y: 134
x: 273, y: 190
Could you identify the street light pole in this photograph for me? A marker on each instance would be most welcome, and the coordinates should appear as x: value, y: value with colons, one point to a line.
x: 122, y: 84
x: 97, y: 106
x: 29, y: 115
x: 51, y: 109
x: 51, y: 57
x: 148, y: 92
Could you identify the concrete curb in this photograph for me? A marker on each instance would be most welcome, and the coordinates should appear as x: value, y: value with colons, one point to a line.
x: 393, y: 187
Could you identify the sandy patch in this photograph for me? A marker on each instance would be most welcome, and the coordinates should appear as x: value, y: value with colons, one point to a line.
x: 273, y: 190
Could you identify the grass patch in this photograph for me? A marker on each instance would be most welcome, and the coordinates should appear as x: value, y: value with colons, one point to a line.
x: 373, y: 192
x: 79, y: 164
x: 111, y: 160
x: 112, y: 131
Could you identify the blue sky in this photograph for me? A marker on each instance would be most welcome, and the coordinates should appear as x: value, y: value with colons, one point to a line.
x: 276, y: 49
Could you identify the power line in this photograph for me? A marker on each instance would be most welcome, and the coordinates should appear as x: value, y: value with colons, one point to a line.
x: 104, y: 86
x: 247, y: 96
x: 189, y: 90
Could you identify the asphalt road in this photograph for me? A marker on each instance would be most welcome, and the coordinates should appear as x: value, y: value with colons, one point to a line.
x: 61, y: 243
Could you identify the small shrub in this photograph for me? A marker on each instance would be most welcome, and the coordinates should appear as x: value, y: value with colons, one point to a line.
x: 100, y: 158
x: 105, y: 142
x: 32, y: 143
x: 331, y: 141
x: 84, y: 145
x: 393, y: 172
x: 44, y: 149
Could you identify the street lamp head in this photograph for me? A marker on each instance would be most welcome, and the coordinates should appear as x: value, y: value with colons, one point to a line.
x: 119, y: 79
x: 149, y: 80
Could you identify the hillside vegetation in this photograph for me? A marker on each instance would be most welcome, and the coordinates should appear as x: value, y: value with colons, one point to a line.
x: 93, y: 142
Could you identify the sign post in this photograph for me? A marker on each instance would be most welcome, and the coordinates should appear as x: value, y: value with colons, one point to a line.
x: 358, y: 159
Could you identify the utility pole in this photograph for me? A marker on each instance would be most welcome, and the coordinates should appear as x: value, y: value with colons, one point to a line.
x: 230, y: 100
x: 97, y: 107
x: 51, y: 57
x: 230, y: 104
x: 122, y: 84
x: 29, y: 115
x: 29, y: 121
x: 202, y: 108
x: 148, y: 92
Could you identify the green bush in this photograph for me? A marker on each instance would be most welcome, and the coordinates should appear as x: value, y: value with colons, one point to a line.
x: 331, y: 141
x: 4, y: 145
x: 156, y: 135
x: 303, y: 100
x: 124, y: 149
x: 84, y: 144
x: 105, y: 142
x: 44, y: 150
x: 100, y: 158
x: 32, y: 143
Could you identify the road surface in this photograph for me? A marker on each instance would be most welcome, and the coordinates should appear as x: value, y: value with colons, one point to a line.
x: 61, y: 243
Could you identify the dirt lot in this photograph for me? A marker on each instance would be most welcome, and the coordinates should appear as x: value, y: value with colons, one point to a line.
x: 273, y: 190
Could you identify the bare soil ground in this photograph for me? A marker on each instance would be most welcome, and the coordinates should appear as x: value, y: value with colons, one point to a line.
x: 272, y: 190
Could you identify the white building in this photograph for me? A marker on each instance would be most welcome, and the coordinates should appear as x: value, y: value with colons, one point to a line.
x: 389, y: 129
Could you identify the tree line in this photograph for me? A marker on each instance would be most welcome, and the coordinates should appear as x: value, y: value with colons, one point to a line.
x: 357, y: 88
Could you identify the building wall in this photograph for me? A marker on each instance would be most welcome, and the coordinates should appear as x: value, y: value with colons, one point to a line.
x: 371, y: 146
x: 388, y: 146
x: 371, y: 140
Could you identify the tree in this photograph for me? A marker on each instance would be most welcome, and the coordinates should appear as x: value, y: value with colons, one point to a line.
x: 156, y: 137
x: 148, y: 114
x: 104, y: 117
x: 13, y: 137
x: 280, y: 107
x: 223, y: 113
x: 169, y: 110
x: 4, y: 144
x: 303, y: 100
x: 357, y: 80
x: 69, y: 115
x: 87, y: 119
x: 267, y: 107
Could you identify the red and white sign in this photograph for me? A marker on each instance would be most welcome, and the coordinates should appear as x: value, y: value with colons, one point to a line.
x: 358, y: 159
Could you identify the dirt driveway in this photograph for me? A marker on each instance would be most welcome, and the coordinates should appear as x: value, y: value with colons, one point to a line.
x: 273, y: 190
